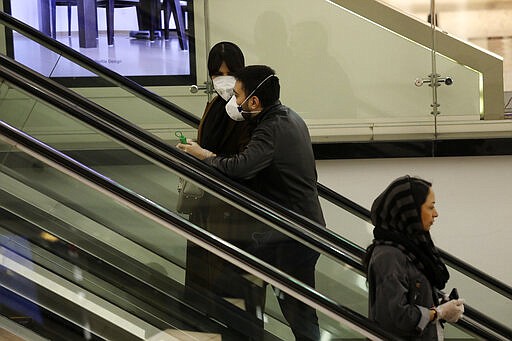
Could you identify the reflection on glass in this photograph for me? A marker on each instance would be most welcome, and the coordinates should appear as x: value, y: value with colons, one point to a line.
x: 130, y: 49
x: 114, y: 253
x: 159, y: 184
x: 120, y: 255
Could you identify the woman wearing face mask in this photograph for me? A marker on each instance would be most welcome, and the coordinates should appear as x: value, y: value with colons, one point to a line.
x: 217, y: 130
x: 224, y: 136
x: 404, y: 267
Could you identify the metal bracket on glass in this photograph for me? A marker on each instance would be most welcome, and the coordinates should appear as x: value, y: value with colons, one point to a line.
x: 433, y: 79
x: 207, y: 87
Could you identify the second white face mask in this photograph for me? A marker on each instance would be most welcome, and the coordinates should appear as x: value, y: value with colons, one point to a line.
x: 233, y: 111
x: 224, y: 85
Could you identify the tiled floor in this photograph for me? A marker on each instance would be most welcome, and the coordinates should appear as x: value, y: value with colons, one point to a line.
x: 128, y: 56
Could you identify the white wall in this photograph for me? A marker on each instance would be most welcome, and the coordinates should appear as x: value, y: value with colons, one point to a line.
x: 473, y: 198
x: 473, y: 201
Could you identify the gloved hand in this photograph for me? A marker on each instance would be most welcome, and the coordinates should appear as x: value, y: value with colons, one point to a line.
x: 194, y: 149
x: 451, y: 311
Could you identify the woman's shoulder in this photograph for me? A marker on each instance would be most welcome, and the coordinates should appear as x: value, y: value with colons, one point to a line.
x: 388, y: 254
x: 388, y: 249
x: 215, y: 105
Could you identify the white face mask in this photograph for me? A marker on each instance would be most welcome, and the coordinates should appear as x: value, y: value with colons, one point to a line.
x: 236, y: 112
x: 233, y: 111
x: 224, y: 85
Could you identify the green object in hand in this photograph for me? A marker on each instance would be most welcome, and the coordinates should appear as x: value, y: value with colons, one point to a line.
x: 180, y: 135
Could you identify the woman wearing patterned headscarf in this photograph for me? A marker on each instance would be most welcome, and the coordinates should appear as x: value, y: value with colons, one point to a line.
x: 404, y: 267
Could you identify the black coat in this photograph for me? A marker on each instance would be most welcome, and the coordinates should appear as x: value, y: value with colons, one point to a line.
x: 204, y: 270
x: 278, y: 161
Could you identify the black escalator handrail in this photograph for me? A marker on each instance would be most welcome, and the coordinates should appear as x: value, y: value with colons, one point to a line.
x: 176, y: 223
x: 130, y: 135
x: 477, y: 275
x: 192, y: 120
x: 480, y: 318
x: 330, y: 249
x: 89, y: 64
x: 476, y: 329
x: 451, y: 260
x: 341, y: 201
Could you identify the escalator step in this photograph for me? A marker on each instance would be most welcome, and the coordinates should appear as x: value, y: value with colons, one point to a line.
x: 5, y: 335
x: 184, y: 335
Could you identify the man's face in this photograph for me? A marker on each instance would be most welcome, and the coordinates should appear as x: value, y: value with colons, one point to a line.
x: 250, y: 105
x: 239, y: 92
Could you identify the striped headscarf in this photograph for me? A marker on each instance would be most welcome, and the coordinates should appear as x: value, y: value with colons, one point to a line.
x: 396, y: 215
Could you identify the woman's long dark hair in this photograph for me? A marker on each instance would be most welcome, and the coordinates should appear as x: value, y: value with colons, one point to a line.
x: 225, y: 52
x: 212, y: 129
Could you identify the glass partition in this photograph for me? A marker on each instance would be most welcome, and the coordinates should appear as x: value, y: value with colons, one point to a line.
x: 120, y: 100
x: 73, y: 241
x: 93, y: 214
x: 159, y: 184
x: 490, y: 31
x: 345, y: 67
x: 362, y: 82
x: 150, y: 45
x: 120, y: 281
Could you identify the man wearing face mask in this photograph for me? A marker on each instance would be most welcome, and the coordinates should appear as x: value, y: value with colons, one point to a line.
x: 279, y: 162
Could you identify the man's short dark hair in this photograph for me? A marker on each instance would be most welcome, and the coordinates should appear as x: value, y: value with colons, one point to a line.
x: 252, y: 76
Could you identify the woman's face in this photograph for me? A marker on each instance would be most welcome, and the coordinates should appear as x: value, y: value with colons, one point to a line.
x: 428, y: 210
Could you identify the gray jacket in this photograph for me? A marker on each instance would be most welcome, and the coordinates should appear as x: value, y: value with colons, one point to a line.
x: 400, y: 295
x: 278, y: 162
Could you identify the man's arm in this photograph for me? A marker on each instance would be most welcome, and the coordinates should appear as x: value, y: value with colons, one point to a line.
x: 257, y: 155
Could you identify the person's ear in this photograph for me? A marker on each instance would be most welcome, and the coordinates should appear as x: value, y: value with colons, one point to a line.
x: 255, y: 102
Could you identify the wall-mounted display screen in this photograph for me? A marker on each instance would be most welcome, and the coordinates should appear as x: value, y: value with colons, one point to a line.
x: 149, y: 41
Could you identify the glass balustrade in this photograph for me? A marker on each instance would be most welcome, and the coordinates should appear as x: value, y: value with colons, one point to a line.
x: 362, y: 82
x: 77, y: 209
x: 359, y: 85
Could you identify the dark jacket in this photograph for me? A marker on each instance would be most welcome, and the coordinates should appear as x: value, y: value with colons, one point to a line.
x: 400, y: 295
x: 278, y: 161
x: 223, y: 136
x: 219, y: 133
